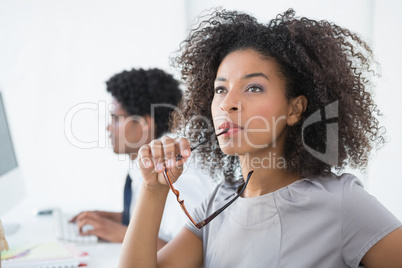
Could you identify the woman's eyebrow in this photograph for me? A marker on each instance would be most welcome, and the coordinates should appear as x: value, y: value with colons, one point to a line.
x: 220, y: 79
x: 248, y: 76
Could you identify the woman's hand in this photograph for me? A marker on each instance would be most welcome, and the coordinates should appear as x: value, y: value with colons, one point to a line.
x: 140, y: 245
x: 159, y: 155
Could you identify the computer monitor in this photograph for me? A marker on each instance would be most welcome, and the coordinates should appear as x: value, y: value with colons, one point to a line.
x: 12, y: 187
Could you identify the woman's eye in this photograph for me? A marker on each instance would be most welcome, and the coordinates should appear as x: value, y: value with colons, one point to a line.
x: 254, y: 89
x: 219, y: 90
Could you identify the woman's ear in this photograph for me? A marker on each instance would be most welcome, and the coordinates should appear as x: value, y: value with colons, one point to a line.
x: 297, y: 107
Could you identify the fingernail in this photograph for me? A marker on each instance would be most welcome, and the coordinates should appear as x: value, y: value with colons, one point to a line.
x: 159, y: 166
x: 186, y: 153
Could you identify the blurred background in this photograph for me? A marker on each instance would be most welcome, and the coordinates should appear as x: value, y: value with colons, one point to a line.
x: 55, y: 57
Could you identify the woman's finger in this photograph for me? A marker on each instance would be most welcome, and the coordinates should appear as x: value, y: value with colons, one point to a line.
x: 145, y: 158
x: 169, y: 151
x: 185, y: 149
x: 157, y: 155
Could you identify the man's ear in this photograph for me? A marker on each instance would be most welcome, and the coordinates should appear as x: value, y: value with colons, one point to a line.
x: 298, y: 106
x: 149, y: 124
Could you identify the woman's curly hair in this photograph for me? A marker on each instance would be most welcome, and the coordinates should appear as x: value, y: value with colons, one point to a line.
x: 138, y: 89
x: 320, y: 60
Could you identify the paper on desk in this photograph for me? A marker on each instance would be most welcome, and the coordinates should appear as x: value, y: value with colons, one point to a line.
x: 50, y: 254
x: 3, y: 241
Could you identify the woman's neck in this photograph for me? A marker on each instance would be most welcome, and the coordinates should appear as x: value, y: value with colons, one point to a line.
x: 269, y: 173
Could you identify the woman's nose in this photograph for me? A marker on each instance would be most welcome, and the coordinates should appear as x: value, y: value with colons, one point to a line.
x: 231, y: 102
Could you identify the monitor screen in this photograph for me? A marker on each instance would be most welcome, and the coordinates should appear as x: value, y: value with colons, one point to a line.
x: 12, y: 186
x: 7, y: 155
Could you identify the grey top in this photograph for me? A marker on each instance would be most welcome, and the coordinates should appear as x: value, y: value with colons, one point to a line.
x: 322, y: 222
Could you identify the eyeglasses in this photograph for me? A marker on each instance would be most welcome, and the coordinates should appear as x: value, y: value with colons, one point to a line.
x: 181, y: 202
x: 213, y: 215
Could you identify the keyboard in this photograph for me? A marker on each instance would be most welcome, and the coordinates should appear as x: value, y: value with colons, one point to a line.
x: 64, y: 230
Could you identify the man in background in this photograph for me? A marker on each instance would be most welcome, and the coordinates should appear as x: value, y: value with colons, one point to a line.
x: 143, y: 101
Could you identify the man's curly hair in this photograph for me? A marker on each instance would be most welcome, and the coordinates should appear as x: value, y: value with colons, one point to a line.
x: 318, y: 59
x: 137, y: 90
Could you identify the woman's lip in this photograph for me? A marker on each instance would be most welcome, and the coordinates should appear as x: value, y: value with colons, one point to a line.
x: 231, y: 131
x: 228, y: 125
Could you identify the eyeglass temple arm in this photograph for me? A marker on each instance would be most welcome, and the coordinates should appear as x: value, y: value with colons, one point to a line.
x: 179, y: 156
x: 216, y: 213
x: 177, y: 194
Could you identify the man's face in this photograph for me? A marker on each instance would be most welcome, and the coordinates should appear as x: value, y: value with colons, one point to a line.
x: 127, y: 133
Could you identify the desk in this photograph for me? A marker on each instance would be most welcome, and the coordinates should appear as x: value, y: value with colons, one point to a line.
x: 37, y: 229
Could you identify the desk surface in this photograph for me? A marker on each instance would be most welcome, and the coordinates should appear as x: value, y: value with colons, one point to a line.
x: 36, y: 229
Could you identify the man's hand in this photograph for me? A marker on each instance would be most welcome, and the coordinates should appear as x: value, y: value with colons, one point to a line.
x: 114, y: 216
x: 103, y: 227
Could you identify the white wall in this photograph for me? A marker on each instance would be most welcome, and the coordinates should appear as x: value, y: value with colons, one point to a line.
x: 385, y: 180
x: 55, y: 55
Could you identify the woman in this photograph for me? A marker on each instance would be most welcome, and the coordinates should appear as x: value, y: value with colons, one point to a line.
x: 292, y: 101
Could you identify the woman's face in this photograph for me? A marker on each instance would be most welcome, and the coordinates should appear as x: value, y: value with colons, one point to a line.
x: 250, y: 100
